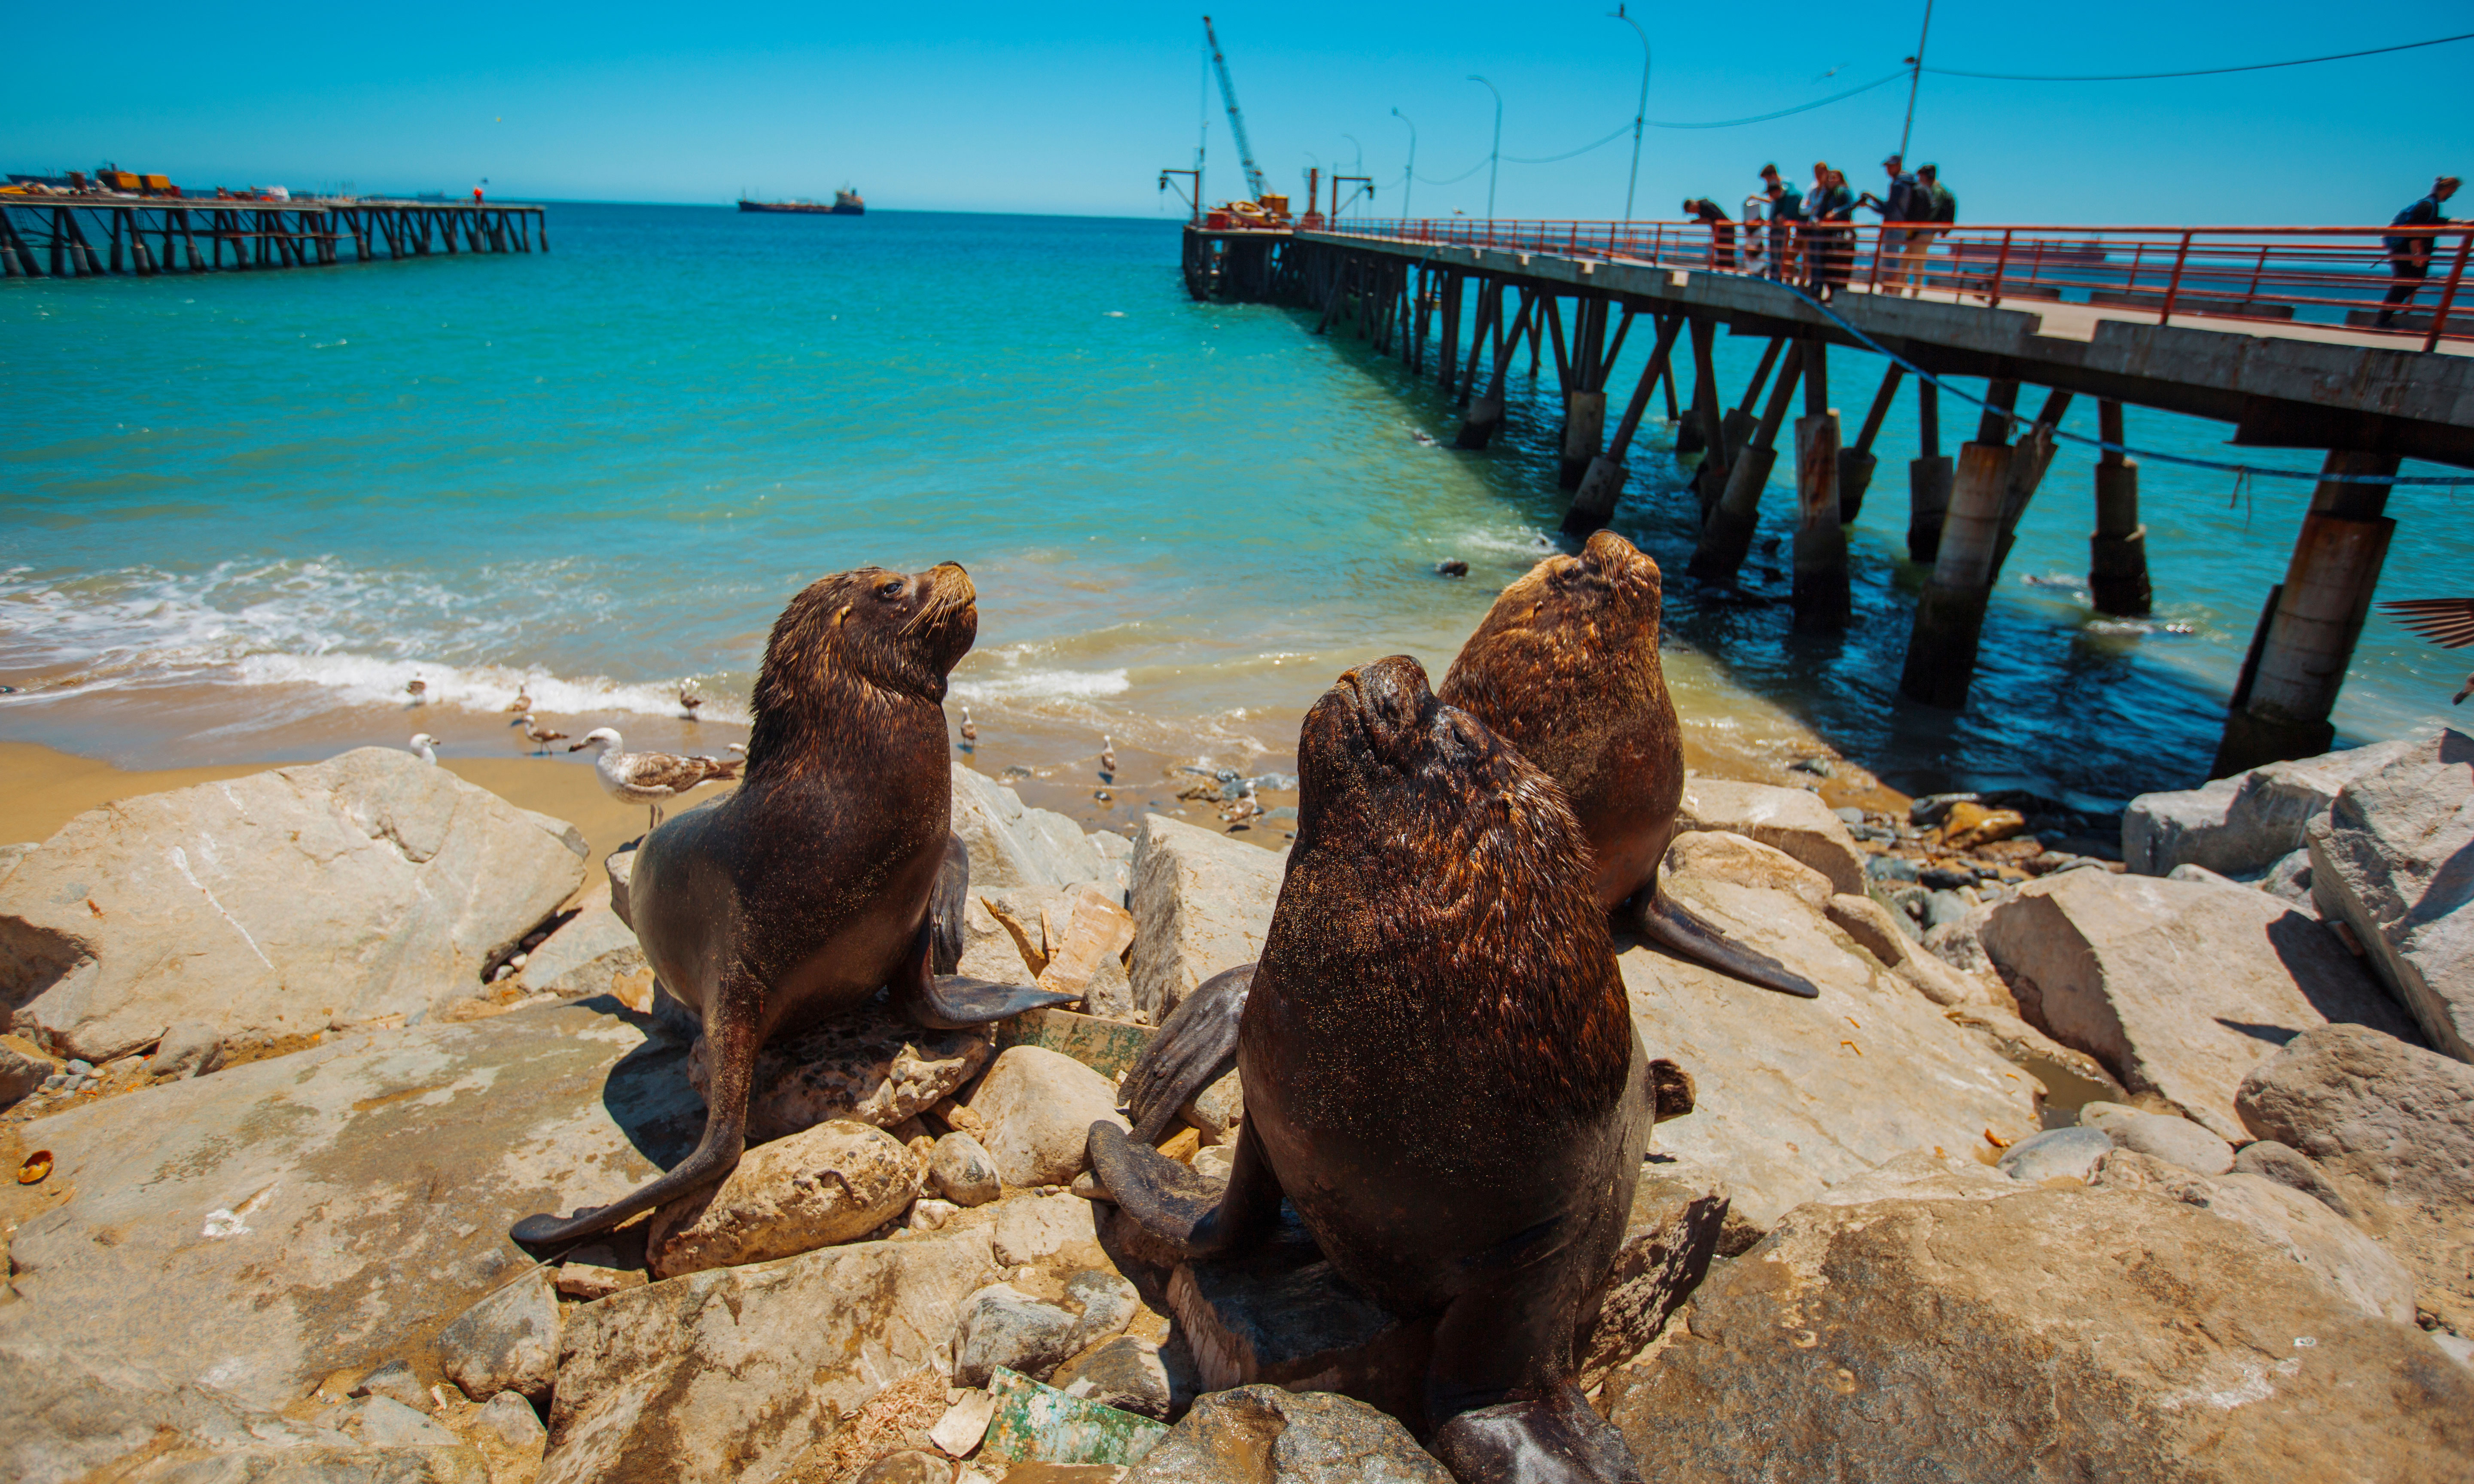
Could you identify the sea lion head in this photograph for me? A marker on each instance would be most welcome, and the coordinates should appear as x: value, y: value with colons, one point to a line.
x: 1435, y: 862
x: 864, y: 638
x: 1579, y: 611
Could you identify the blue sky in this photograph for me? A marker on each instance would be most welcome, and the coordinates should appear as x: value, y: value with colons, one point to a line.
x: 1015, y: 108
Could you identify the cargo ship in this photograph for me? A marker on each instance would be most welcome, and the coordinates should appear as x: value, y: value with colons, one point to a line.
x: 846, y: 203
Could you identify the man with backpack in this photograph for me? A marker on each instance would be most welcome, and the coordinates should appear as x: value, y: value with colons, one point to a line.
x: 2409, y: 255
x: 1899, y: 205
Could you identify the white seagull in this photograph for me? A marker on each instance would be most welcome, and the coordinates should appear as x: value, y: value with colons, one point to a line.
x: 425, y: 747
x: 650, y: 778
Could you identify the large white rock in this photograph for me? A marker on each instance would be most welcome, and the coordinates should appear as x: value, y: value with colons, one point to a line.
x: 1203, y: 903
x: 734, y: 1373
x: 2051, y: 1334
x: 259, y: 1228
x: 834, y: 1183
x: 593, y: 952
x: 2177, y: 987
x: 270, y: 906
x: 2241, y: 826
x: 1797, y: 1095
x: 1012, y: 845
x: 2394, y: 858
x: 1786, y: 818
x: 1037, y: 1106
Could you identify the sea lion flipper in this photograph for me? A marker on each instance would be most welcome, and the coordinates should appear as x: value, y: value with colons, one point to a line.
x: 1181, y: 1209
x: 947, y: 902
x: 731, y: 1042
x: 1675, y: 925
x: 952, y: 1002
x: 1194, y: 1047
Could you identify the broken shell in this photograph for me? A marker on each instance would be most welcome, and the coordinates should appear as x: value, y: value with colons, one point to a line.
x: 38, y: 1165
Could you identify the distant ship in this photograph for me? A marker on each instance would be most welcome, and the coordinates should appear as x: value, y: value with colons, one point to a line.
x: 846, y: 203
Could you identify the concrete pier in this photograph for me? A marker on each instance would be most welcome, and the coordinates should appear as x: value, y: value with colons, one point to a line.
x: 2118, y: 547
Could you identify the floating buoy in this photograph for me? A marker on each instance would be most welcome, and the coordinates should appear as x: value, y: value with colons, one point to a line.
x: 38, y: 1165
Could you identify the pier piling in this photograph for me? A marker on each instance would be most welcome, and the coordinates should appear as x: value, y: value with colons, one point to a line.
x: 1856, y: 465
x: 1949, y: 613
x: 2118, y: 547
x: 1726, y: 535
x: 1594, y: 502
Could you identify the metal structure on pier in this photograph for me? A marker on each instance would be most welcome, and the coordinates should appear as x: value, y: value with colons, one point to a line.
x: 66, y: 236
x: 2297, y: 337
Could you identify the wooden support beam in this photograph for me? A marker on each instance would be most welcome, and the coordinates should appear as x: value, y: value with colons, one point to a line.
x: 1737, y: 425
x: 1999, y: 397
x: 1593, y: 504
x: 1727, y: 532
x: 1585, y: 403
x: 2118, y: 547
x: 1698, y: 430
x: 1856, y: 465
x: 1486, y: 413
x: 2307, y: 640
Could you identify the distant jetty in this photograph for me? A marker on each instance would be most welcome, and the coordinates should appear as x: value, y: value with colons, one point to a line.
x: 845, y: 203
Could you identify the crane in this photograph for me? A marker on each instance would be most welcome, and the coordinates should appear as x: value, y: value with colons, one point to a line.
x: 1236, y: 116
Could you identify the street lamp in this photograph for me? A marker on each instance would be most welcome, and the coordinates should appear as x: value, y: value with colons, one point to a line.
x: 1640, y: 113
x: 1359, y: 166
x: 1495, y: 159
x: 1413, y: 163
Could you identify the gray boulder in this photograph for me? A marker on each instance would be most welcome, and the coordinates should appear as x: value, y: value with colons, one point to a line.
x: 1784, y: 819
x: 2292, y: 1169
x: 1014, y: 847
x: 1003, y: 1327
x: 2177, y: 987
x: 1124, y: 1372
x: 2394, y: 859
x: 835, y: 1183
x: 276, y: 905
x: 593, y: 952
x: 2174, y: 1140
x: 872, y: 1065
x: 737, y: 1372
x: 267, y: 1225
x: 507, y: 1342
x: 1037, y: 1106
x: 2058, y: 1154
x: 2391, y: 1126
x: 1265, y: 1435
x: 964, y: 1171
x: 1203, y: 903
x: 2051, y: 1334
x: 192, y: 1048
x: 2241, y: 826
x: 22, y: 1074
x: 383, y: 1422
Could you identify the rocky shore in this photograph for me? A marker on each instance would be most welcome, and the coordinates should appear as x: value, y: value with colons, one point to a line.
x: 2112, y: 1147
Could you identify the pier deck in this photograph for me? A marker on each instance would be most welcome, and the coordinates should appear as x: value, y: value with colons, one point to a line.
x: 81, y: 236
x: 2272, y: 330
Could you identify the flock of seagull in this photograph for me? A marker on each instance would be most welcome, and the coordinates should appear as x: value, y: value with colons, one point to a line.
x: 648, y: 778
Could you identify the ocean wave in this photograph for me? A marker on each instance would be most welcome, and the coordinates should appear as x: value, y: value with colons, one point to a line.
x: 1015, y: 684
x: 354, y: 679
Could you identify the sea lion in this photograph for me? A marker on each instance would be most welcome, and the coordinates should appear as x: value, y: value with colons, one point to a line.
x: 1565, y: 667
x: 1442, y: 1073
x: 833, y: 871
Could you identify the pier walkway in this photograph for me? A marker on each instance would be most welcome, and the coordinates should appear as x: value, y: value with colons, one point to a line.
x: 64, y: 236
x: 2273, y: 330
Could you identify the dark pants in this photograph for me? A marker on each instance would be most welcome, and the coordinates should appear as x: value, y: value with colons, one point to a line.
x: 2409, y: 272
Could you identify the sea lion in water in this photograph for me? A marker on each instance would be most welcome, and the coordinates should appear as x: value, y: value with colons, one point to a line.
x: 833, y: 871
x: 1565, y: 667
x: 1442, y: 1073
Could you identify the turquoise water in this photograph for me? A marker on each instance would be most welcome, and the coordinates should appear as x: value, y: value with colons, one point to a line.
x: 246, y: 508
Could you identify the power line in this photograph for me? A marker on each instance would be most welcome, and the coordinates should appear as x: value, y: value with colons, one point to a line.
x: 1801, y: 107
x: 2198, y: 72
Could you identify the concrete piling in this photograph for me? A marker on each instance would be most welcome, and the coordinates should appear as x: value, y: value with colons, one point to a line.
x: 1856, y: 465
x: 1594, y: 502
x: 2307, y: 640
x: 2118, y: 547
x: 1821, y: 596
x: 1928, y: 478
x: 1950, y: 614
x: 1727, y: 534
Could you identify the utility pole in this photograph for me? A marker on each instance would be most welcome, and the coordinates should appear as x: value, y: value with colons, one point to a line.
x: 1640, y: 110
x: 1413, y: 163
x: 1914, y: 80
x: 1495, y: 159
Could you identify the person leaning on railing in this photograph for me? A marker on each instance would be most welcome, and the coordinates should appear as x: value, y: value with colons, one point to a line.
x: 1722, y: 232
x: 2409, y: 255
x: 1890, y: 252
x: 1787, y: 209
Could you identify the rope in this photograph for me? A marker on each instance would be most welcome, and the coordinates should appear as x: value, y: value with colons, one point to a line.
x: 2246, y: 471
x: 2198, y: 72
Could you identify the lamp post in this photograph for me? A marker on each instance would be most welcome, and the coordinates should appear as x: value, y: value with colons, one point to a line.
x: 1641, y: 111
x: 1915, y: 80
x: 1412, y: 179
x: 1495, y: 159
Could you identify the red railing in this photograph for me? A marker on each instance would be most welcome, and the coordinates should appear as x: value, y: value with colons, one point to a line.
x: 2343, y: 276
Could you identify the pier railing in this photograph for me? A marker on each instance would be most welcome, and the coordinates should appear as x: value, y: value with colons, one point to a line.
x: 65, y: 236
x: 2333, y: 276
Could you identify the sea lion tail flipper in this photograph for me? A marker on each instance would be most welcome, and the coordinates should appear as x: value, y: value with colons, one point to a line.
x: 731, y: 1040
x: 952, y: 1002
x: 1193, y: 1215
x: 1194, y: 1047
x: 947, y: 900
x: 1677, y: 927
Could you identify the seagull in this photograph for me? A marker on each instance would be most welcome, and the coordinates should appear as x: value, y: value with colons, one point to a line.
x: 970, y: 730
x: 425, y: 747
x: 418, y: 689
x: 1107, y: 754
x: 2448, y: 622
x: 523, y: 701
x: 650, y: 778
x: 540, y: 739
x: 740, y: 748
x: 689, y: 698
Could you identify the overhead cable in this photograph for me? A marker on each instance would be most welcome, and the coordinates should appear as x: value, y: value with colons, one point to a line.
x: 2196, y: 72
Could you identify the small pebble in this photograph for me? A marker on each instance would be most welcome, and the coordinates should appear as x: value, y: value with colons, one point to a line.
x: 81, y: 1068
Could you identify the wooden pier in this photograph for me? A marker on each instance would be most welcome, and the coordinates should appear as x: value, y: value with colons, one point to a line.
x: 81, y: 236
x: 2275, y: 331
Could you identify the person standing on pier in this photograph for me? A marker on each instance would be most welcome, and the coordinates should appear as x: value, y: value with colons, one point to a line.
x: 1891, y: 264
x: 2410, y: 255
x: 1830, y: 240
x: 1787, y: 209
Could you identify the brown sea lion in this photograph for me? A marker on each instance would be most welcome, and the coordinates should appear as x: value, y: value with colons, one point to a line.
x: 833, y: 871
x: 1442, y: 1073
x: 1565, y: 667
